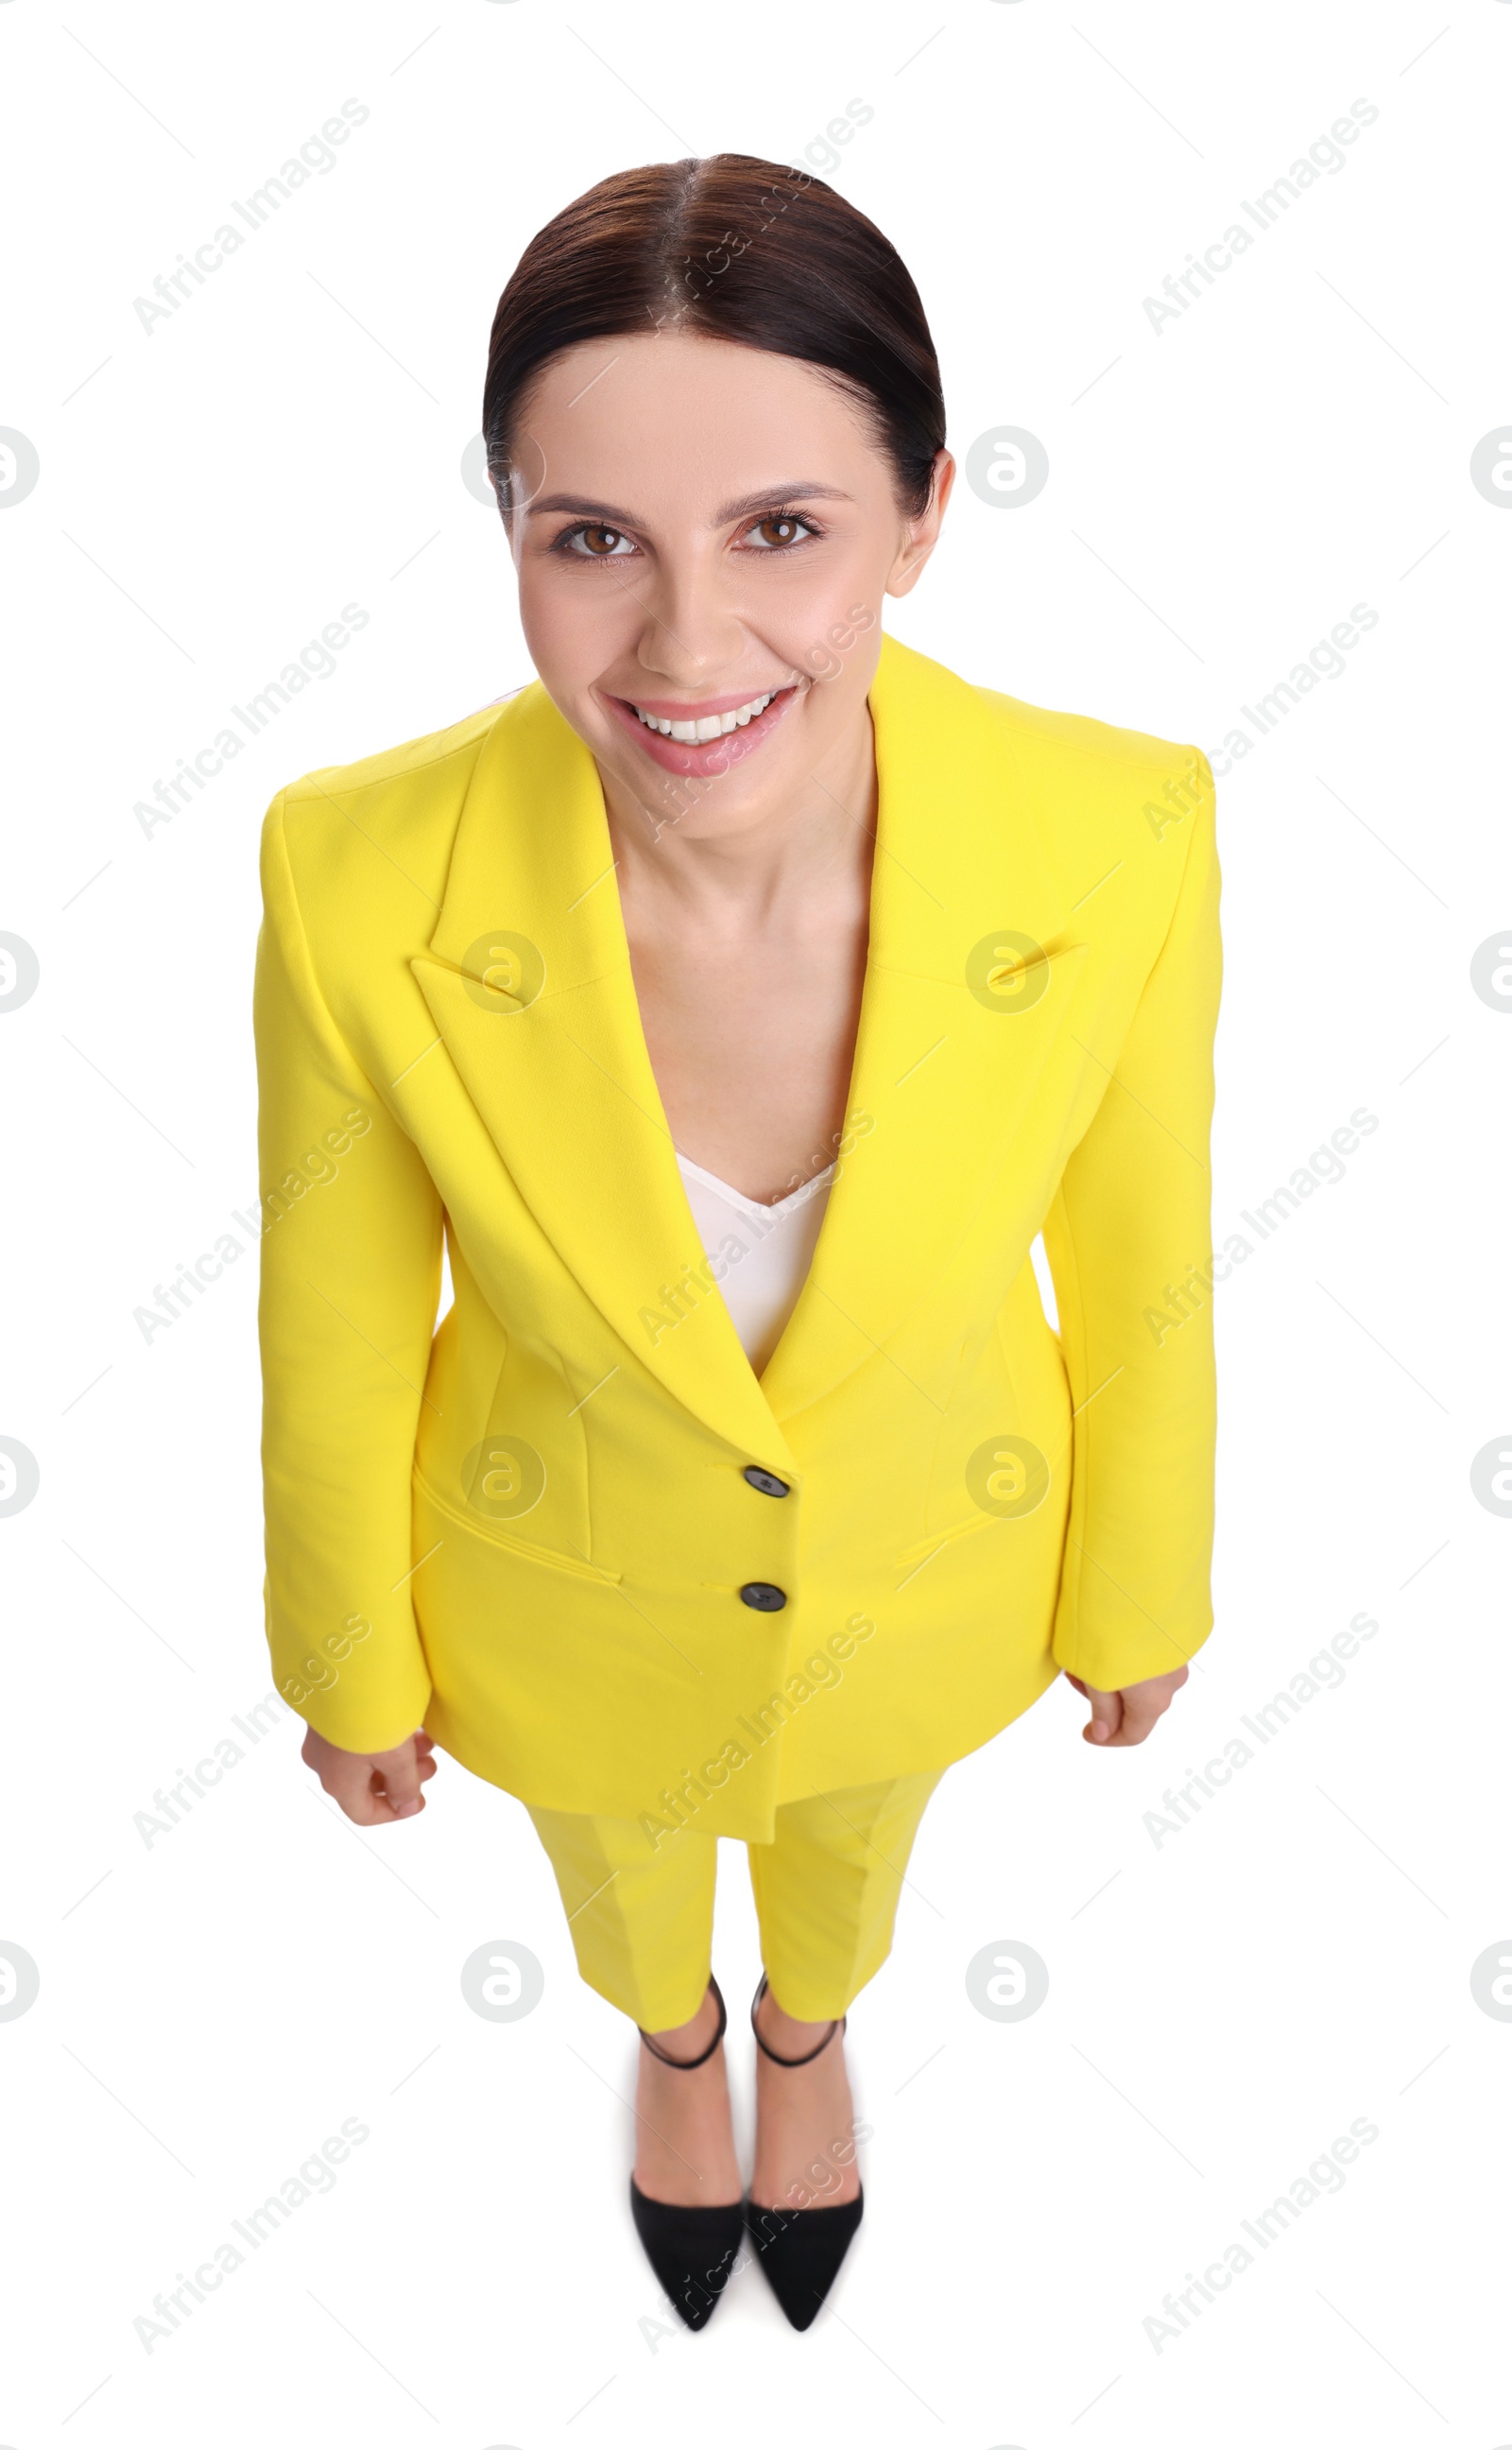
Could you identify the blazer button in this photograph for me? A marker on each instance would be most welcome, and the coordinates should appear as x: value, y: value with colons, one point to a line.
x: 767, y: 1482
x: 763, y: 1595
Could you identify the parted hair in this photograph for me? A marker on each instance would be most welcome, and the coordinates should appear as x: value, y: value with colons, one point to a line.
x: 733, y: 248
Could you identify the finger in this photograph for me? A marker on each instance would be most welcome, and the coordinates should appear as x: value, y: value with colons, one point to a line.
x: 367, y: 1809
x: 1142, y: 1706
x: 1107, y: 1716
x: 348, y: 1781
x: 396, y: 1776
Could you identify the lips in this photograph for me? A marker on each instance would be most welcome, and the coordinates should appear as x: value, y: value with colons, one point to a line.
x: 701, y: 757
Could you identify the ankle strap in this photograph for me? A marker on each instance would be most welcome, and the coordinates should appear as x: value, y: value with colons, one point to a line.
x: 666, y: 2056
x: 836, y: 2026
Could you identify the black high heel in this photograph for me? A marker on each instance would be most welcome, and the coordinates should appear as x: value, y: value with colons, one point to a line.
x: 800, y: 2251
x: 691, y: 2247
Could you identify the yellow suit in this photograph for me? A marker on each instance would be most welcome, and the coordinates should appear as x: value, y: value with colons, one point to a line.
x: 532, y: 1528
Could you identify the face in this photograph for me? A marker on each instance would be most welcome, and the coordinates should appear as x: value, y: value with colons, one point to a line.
x: 707, y: 536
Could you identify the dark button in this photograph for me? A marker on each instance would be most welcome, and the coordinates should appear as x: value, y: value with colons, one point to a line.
x: 763, y: 1595
x: 767, y: 1482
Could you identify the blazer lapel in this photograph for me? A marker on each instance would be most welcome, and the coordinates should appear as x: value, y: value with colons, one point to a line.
x: 971, y: 967
x: 529, y: 983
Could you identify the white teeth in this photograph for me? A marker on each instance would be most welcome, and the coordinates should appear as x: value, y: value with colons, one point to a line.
x: 708, y: 727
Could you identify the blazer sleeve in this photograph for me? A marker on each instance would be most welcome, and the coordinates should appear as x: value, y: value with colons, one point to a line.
x: 1129, y: 1241
x: 350, y: 1279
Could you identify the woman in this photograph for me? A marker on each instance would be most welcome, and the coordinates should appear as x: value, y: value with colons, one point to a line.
x: 740, y: 1000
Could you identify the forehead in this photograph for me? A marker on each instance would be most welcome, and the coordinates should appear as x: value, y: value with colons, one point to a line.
x: 669, y: 417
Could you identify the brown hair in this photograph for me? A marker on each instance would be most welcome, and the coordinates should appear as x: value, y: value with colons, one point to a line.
x: 735, y: 248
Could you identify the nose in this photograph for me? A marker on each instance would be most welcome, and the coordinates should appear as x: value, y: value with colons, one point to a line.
x: 693, y: 631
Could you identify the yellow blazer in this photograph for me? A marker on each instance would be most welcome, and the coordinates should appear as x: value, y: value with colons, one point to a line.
x: 534, y: 1529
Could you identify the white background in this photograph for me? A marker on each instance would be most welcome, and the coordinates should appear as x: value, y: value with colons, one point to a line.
x: 1222, y: 492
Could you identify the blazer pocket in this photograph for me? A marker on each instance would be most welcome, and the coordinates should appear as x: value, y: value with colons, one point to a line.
x: 946, y: 1539
x: 510, y: 1540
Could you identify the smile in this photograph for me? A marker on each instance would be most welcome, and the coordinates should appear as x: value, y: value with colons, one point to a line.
x: 707, y: 727
x: 689, y: 742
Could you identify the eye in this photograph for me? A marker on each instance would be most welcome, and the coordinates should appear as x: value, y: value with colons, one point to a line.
x: 589, y: 541
x: 780, y: 530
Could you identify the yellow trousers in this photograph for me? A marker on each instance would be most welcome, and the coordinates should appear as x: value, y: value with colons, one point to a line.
x: 825, y: 1890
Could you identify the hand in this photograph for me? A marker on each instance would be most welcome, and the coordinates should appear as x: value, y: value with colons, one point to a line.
x: 1126, y: 1717
x: 373, y: 1786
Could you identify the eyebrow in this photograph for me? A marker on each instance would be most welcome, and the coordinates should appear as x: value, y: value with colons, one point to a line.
x: 793, y: 489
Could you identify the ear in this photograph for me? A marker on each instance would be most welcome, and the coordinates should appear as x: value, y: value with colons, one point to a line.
x: 923, y: 533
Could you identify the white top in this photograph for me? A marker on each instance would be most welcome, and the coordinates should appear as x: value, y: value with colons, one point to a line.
x: 759, y: 1255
